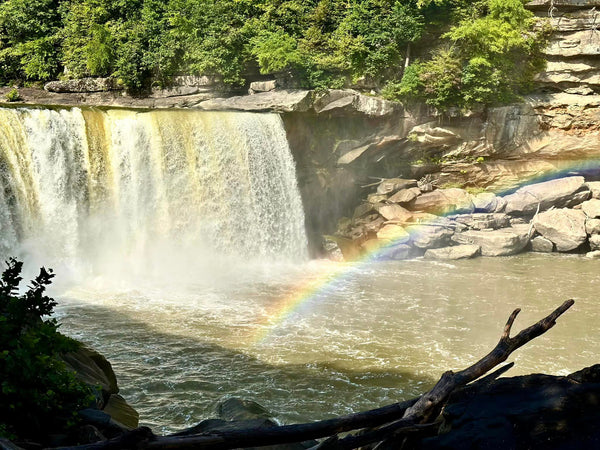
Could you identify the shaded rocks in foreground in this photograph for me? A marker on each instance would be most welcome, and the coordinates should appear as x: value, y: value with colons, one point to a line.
x: 399, y: 220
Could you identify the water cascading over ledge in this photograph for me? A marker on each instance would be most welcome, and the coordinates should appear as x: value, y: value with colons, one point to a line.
x: 88, y: 187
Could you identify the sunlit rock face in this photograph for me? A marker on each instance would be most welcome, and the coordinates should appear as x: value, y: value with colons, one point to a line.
x: 123, y: 188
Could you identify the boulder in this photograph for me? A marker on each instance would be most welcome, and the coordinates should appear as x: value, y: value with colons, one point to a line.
x: 284, y: 100
x: 482, y: 221
x: 591, y: 208
x: 391, y: 185
x: 593, y: 255
x: 400, y: 252
x: 430, y: 135
x: 443, y: 201
x: 377, y: 198
x: 564, y: 227
x: 332, y: 249
x: 393, y: 233
x: 592, y: 226
x: 453, y: 253
x: 594, y: 187
x: 559, y: 193
x: 595, y: 242
x: 363, y: 209
x: 394, y: 212
x: 121, y: 412
x: 82, y: 85
x: 429, y: 236
x: 485, y: 202
x: 541, y: 245
x: 503, y: 242
x: 374, y: 245
x: 94, y: 370
x: 405, y: 195
x: 262, y: 86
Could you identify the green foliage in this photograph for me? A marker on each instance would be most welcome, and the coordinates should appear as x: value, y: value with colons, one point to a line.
x: 490, y: 45
x: 38, y: 395
x: 13, y: 95
x: 496, y: 51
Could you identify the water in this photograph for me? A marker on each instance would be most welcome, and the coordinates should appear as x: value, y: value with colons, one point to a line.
x: 90, y: 191
x: 179, y: 244
x: 383, y: 332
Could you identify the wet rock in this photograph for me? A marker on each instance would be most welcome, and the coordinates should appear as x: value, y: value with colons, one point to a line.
x: 564, y: 227
x: 393, y: 233
x: 559, y: 193
x: 482, y: 221
x: 120, y: 411
x: 93, y: 369
x: 541, y: 245
x: 429, y: 236
x: 332, y: 249
x: 453, y: 253
x: 405, y: 195
x: 595, y: 242
x: 444, y: 201
x: 395, y: 184
x: 592, y: 226
x: 87, y: 434
x: 394, y: 212
x: 503, y: 242
x: 350, y: 249
x: 591, y: 208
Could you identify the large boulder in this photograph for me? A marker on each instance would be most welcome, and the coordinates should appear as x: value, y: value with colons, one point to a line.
x: 594, y: 187
x: 394, y: 213
x: 405, y: 195
x: 395, y: 184
x: 444, y: 201
x: 541, y: 245
x: 482, y: 221
x: 429, y: 236
x: 592, y: 226
x: 503, y: 242
x: 564, y: 227
x: 561, y: 192
x: 276, y: 101
x: 453, y: 253
x: 393, y: 233
x: 486, y: 202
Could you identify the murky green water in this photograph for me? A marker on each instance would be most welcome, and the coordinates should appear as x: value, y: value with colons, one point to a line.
x: 382, y: 332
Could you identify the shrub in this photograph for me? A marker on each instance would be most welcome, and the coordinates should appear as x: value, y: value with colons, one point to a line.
x: 13, y: 95
x: 38, y: 394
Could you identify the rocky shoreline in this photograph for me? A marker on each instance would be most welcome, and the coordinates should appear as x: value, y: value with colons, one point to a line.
x: 408, y: 218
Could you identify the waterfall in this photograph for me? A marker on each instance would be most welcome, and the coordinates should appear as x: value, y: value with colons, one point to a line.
x: 91, y: 189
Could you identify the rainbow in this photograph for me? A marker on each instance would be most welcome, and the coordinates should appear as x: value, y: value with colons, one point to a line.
x: 309, y: 292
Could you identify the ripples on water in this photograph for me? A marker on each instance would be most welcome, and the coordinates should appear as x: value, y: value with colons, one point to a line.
x: 383, y: 332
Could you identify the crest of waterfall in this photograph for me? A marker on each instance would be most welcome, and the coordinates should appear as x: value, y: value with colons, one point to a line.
x: 92, y: 189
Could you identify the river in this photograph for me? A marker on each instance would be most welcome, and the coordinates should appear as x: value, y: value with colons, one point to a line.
x: 368, y: 335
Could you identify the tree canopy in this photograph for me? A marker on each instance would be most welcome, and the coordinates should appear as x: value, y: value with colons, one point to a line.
x: 489, y: 45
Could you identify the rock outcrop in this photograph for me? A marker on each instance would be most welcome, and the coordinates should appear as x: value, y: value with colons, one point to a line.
x: 533, y: 217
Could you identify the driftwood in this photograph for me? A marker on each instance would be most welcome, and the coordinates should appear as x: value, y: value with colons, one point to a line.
x: 393, y: 422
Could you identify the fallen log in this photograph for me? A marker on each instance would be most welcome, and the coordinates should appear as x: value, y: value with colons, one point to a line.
x: 394, y: 421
